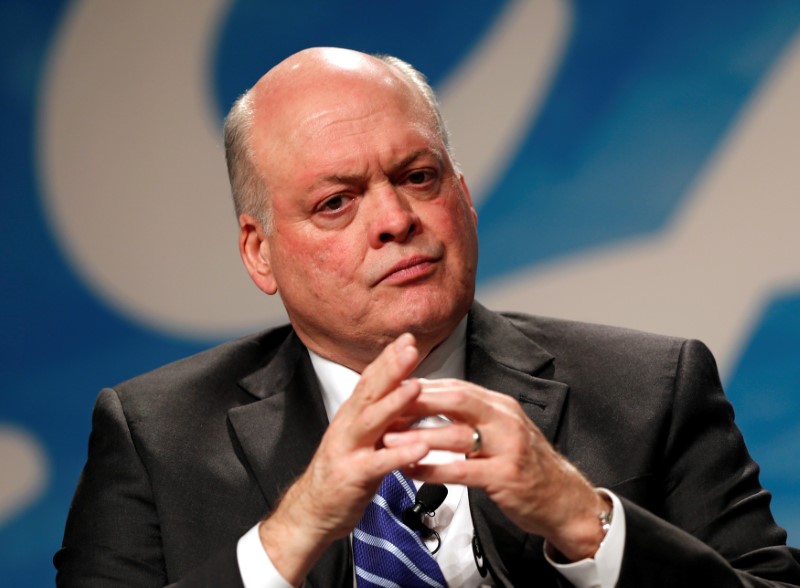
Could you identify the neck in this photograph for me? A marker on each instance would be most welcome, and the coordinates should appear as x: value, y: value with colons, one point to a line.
x: 359, y: 354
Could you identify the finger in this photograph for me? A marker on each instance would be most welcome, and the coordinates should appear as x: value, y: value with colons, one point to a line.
x: 402, y: 422
x: 456, y: 404
x: 492, y: 474
x: 380, y: 394
x: 460, y: 471
x: 374, y: 419
x: 390, y: 368
x: 361, y: 426
x: 462, y: 401
x: 385, y: 460
x: 458, y: 438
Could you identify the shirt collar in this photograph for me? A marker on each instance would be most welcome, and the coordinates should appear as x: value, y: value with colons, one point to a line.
x: 446, y: 360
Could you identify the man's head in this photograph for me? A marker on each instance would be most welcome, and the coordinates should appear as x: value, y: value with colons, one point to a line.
x: 350, y: 205
x: 248, y: 189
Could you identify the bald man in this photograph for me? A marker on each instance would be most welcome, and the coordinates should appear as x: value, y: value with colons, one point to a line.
x: 252, y: 463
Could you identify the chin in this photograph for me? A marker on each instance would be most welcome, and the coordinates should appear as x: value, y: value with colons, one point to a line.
x: 429, y: 318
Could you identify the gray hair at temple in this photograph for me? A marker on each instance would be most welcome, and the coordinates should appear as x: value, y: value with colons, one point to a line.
x: 248, y: 187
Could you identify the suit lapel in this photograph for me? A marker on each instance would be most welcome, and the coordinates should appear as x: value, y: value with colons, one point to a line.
x: 501, y: 358
x: 279, y: 433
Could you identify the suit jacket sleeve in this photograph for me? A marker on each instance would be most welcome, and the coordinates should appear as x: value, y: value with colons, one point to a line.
x: 113, y: 535
x: 720, y: 531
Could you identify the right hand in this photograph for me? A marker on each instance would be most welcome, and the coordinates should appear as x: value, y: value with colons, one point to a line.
x: 327, y: 501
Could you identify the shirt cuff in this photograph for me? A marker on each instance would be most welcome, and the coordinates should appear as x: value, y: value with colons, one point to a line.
x: 601, y: 571
x: 255, y: 566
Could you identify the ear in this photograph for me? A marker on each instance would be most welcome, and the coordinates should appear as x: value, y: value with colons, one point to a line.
x: 468, y: 197
x: 254, y: 249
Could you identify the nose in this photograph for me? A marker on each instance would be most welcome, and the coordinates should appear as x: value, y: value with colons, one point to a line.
x: 393, y: 218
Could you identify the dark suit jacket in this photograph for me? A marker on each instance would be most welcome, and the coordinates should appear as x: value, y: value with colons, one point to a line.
x: 185, y: 459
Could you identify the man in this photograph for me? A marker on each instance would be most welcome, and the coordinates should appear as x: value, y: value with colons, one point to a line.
x: 255, y: 461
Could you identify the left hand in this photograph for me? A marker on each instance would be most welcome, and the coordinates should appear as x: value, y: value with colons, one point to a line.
x: 536, y: 487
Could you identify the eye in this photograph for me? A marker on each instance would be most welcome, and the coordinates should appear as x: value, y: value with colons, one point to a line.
x: 334, y: 203
x: 420, y: 176
x: 335, y: 210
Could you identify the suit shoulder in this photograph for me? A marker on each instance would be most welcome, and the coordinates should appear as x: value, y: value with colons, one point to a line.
x: 213, y: 369
x: 564, y: 337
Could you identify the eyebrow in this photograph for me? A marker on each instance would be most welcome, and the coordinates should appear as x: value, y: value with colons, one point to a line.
x: 405, y: 162
x: 414, y: 155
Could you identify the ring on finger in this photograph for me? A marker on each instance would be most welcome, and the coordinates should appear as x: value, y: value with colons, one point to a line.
x: 477, y: 441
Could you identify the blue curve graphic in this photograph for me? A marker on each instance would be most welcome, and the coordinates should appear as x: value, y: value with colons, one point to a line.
x: 642, y: 98
x: 764, y: 392
x: 434, y: 36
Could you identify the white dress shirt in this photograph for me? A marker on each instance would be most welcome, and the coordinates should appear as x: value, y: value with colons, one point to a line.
x: 452, y: 520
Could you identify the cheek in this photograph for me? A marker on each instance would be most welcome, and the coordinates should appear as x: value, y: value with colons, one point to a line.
x: 455, y: 222
x: 325, y: 265
x: 331, y: 266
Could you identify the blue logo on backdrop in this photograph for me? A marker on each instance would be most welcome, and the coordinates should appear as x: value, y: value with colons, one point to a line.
x: 635, y: 118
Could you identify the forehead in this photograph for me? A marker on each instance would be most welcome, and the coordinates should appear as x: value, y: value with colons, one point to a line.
x: 376, y: 135
x: 342, y: 118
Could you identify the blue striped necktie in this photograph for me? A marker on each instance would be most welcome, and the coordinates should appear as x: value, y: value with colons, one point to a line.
x: 386, y: 552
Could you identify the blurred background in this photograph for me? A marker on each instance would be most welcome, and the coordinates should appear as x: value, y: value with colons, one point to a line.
x: 634, y: 162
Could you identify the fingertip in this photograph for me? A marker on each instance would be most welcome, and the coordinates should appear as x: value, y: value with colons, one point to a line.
x: 411, y: 453
x: 407, y: 437
x: 420, y: 449
x: 405, y: 345
x: 392, y: 439
x: 404, y: 340
x: 411, y: 384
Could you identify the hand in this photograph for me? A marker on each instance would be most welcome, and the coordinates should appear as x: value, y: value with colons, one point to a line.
x: 536, y: 487
x: 327, y: 501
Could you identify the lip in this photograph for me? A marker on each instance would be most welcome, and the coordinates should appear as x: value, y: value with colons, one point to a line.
x: 409, y: 269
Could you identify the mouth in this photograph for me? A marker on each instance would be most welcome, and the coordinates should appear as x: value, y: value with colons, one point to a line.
x: 409, y: 269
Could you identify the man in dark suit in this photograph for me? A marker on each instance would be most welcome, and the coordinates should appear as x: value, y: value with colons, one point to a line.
x: 253, y: 462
